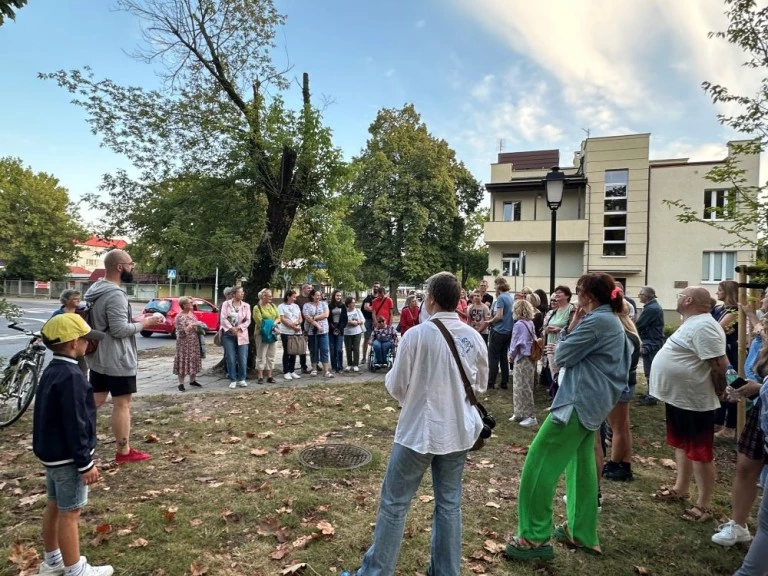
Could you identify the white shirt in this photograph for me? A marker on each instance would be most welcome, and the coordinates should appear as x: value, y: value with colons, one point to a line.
x: 423, y: 314
x: 353, y: 330
x: 436, y: 417
x: 291, y: 313
x: 680, y: 373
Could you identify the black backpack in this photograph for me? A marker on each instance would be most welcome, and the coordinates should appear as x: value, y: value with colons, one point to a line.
x: 85, y: 314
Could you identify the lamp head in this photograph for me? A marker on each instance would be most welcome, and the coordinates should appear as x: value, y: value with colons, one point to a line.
x: 555, y: 183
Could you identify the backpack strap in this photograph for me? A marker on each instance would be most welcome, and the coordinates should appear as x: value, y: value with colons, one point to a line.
x: 452, y: 345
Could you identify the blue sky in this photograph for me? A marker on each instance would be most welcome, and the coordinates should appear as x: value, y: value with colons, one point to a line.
x: 528, y: 74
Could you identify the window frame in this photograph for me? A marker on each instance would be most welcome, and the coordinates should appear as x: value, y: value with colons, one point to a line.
x: 609, y: 199
x: 510, y: 257
x: 711, y: 201
x: 725, y: 274
x: 516, y: 209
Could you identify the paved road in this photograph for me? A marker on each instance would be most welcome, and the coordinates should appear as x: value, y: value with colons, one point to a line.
x: 36, y: 312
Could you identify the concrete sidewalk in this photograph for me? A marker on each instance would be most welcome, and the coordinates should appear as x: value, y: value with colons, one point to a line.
x: 155, y: 376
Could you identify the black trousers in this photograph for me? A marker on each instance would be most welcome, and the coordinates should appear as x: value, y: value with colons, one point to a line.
x: 498, y: 346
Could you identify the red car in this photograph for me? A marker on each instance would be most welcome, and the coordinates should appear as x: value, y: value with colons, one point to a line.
x: 169, y: 307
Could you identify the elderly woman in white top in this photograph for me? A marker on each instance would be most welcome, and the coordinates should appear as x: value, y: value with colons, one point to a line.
x: 436, y: 429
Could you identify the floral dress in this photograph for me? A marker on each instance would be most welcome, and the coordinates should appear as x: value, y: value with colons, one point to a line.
x: 187, y: 359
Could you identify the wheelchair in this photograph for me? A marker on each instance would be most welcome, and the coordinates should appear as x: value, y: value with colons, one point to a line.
x: 388, y: 361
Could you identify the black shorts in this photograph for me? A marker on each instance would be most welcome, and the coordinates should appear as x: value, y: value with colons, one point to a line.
x: 751, y: 438
x: 115, y: 385
x: 693, y: 432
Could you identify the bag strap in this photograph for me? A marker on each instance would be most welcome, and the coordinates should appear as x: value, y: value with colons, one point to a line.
x: 452, y: 345
x: 533, y: 335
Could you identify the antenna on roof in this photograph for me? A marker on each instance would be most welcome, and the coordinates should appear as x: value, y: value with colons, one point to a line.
x: 501, y: 144
x: 586, y: 131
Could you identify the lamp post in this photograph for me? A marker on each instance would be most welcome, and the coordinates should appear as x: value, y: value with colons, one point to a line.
x: 555, y: 182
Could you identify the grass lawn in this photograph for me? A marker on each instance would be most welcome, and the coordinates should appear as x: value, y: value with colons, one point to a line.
x: 225, y: 494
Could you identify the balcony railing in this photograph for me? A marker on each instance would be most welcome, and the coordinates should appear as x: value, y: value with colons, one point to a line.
x: 536, y: 231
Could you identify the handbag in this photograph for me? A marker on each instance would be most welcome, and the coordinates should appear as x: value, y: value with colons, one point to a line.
x: 489, y: 422
x: 537, y: 347
x: 295, y: 345
x: 217, y: 338
x: 267, y: 330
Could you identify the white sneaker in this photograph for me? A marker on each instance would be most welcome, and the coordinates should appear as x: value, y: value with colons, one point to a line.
x: 730, y: 533
x: 295, y: 376
x: 57, y: 570
x: 355, y: 369
x: 242, y: 384
x: 288, y: 376
x: 348, y: 368
x: 529, y: 422
x: 98, y: 570
x: 232, y: 385
x: 514, y: 418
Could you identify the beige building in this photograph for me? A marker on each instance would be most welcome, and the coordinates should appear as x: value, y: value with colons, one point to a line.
x: 92, y: 251
x: 613, y: 219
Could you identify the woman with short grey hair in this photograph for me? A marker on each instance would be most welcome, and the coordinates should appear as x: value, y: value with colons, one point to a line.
x: 70, y: 300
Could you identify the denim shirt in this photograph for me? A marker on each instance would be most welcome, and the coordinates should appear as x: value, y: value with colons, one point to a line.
x: 596, y: 357
x: 752, y: 355
x: 764, y: 411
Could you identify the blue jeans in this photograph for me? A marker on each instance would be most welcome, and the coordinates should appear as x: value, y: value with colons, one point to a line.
x: 380, y: 350
x: 336, y: 342
x: 237, y: 357
x: 404, y: 473
x: 65, y: 485
x: 318, y: 348
x: 757, y: 556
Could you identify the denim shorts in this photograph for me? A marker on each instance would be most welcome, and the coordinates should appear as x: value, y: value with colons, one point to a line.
x: 65, y: 486
x: 627, y: 395
x: 368, y: 328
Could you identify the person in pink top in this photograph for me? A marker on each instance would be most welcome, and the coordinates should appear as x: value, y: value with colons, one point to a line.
x: 235, y: 319
x: 461, y: 309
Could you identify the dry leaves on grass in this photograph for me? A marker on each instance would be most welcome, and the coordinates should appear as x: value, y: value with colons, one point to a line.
x: 24, y: 557
x: 170, y: 513
x: 139, y: 543
x: 642, y: 570
x: 294, y: 569
x: 492, y: 505
x: 272, y: 527
x: 196, y: 570
x: 151, y: 438
x: 259, y: 452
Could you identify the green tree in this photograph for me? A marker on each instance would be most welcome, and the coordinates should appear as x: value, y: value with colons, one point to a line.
x: 409, y: 198
x: 219, y: 126
x: 7, y: 8
x: 473, y: 252
x: 38, y: 223
x: 744, y: 214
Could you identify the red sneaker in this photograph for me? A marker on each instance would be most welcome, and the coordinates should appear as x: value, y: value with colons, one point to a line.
x: 132, y: 456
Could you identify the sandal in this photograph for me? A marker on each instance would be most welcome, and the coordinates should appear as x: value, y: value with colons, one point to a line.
x: 697, y: 514
x: 670, y: 495
x: 313, y: 373
x: 521, y: 549
x: 563, y: 536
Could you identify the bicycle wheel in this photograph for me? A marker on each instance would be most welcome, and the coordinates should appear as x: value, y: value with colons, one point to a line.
x: 16, y: 393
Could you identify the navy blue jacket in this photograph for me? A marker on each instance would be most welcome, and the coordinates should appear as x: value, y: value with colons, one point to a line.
x: 64, y: 429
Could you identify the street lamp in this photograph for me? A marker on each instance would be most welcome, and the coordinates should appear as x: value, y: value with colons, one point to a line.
x: 555, y: 182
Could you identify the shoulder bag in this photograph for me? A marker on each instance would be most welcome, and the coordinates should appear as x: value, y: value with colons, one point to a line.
x: 489, y: 422
x: 537, y: 346
x: 296, y: 345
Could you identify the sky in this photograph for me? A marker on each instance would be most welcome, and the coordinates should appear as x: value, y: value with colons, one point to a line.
x: 485, y: 75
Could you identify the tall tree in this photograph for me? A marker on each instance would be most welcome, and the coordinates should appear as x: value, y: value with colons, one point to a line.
x: 743, y: 215
x: 410, y: 196
x: 38, y: 223
x: 219, y: 121
x: 472, y: 250
x: 7, y: 8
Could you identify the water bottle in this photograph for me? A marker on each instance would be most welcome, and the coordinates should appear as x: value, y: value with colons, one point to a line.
x: 731, y: 375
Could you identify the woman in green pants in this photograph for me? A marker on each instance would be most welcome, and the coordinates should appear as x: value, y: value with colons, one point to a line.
x: 593, y: 355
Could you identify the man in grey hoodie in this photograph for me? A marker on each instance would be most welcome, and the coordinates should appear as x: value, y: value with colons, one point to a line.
x: 114, y: 363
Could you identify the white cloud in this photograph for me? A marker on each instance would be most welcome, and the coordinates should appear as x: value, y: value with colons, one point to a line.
x: 389, y: 73
x: 421, y: 23
x: 482, y: 91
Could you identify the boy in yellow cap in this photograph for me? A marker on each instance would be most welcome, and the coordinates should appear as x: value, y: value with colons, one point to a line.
x: 64, y: 438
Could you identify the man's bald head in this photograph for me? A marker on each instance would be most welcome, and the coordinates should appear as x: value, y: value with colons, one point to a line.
x: 116, y: 257
x: 694, y: 300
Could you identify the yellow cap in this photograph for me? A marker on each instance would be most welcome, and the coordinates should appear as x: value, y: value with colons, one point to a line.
x: 67, y: 327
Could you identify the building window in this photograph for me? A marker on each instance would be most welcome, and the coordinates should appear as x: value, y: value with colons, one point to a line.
x: 717, y: 266
x: 615, y: 213
x: 511, y: 211
x: 717, y: 204
x: 510, y: 264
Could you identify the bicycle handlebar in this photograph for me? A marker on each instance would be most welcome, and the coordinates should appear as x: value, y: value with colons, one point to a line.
x: 15, y: 326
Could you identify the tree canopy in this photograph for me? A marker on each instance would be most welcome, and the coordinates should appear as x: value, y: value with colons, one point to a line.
x: 410, y: 196
x: 7, y: 8
x: 218, y: 130
x: 38, y: 223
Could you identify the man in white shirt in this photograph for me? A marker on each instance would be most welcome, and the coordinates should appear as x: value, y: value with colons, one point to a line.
x: 436, y: 429
x: 688, y: 373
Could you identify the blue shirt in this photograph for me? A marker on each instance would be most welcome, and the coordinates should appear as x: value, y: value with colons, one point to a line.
x: 596, y: 357
x: 749, y: 363
x: 504, y: 301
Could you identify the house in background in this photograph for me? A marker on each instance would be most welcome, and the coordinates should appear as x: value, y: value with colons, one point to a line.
x: 93, y: 250
x: 613, y: 218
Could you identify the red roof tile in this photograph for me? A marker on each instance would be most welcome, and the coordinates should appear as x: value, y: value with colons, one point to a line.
x: 97, y: 242
x: 79, y: 270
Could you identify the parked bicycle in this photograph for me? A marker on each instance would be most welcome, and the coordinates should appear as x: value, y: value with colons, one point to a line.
x: 20, y: 378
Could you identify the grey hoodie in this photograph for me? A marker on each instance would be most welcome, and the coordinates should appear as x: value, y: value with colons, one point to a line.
x: 111, y: 313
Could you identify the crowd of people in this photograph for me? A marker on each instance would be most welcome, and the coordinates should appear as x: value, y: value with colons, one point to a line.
x: 450, y: 347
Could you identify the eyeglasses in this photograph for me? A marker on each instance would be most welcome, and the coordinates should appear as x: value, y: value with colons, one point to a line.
x: 683, y: 295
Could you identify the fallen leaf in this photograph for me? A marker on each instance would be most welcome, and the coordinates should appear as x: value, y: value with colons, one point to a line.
x: 215, y: 484
x: 642, y: 570
x: 285, y: 449
x: 170, y: 513
x: 219, y: 452
x: 267, y: 434
x: 124, y: 531
x: 232, y: 440
x: 389, y: 409
x: 103, y: 529
x: 138, y: 543
x: 281, y: 551
x: 492, y: 505
x: 169, y: 528
x: 195, y: 522
x: 326, y: 528
x: 29, y: 500
x: 302, y: 541
x: 667, y: 463
x: 99, y: 540
x: 250, y: 435
x: 367, y: 407
x: 493, y: 547
x: 259, y: 452
x: 205, y: 479
x: 178, y: 460
x: 235, y: 411
x: 426, y: 498
x: 270, y: 471
x: 151, y: 438
x: 22, y: 557
x: 272, y: 527
x: 359, y: 424
x: 197, y: 570
x: 294, y: 569
x: 477, y: 568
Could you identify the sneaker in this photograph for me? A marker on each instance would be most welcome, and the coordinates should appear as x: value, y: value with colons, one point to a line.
x: 132, y: 456
x: 647, y: 400
x: 599, y: 501
x: 730, y: 533
x: 295, y: 376
x: 57, y: 570
x: 242, y: 384
x: 96, y: 570
x: 329, y: 375
x: 270, y: 380
x: 288, y: 376
x: 355, y: 369
x: 529, y: 422
x: 232, y: 385
x: 348, y: 368
x: 618, y: 471
x: 514, y: 418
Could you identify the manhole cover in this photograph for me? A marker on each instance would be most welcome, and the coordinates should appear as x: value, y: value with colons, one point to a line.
x: 340, y: 456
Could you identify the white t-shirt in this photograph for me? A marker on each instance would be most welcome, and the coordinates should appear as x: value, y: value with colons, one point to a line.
x: 353, y: 330
x: 291, y: 313
x: 680, y: 373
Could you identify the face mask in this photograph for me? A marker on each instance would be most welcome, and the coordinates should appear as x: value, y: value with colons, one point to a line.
x: 126, y: 276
